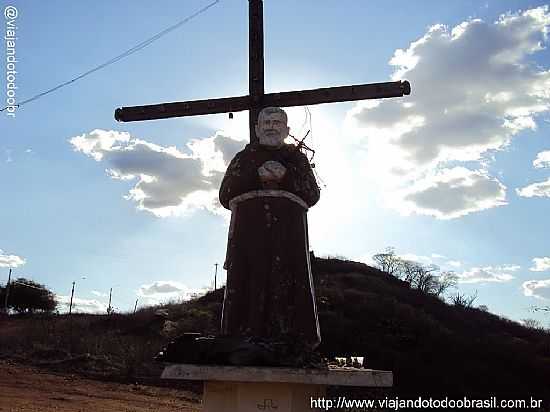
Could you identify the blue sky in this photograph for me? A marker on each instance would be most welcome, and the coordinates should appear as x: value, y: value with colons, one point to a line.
x: 459, y: 169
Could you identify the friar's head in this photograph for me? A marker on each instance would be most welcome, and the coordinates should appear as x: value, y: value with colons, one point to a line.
x: 272, y: 128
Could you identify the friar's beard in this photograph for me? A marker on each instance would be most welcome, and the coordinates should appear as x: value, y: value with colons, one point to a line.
x: 271, y: 140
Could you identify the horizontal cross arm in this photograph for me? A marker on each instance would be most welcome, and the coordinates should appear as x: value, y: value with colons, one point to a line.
x: 284, y: 99
x: 338, y: 94
x: 181, y: 109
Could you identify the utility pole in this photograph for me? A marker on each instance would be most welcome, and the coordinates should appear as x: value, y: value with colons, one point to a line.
x: 135, y: 306
x: 7, y: 293
x: 109, y: 307
x: 72, y: 294
x: 215, y: 276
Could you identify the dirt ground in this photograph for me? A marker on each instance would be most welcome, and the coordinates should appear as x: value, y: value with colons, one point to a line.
x: 23, y: 388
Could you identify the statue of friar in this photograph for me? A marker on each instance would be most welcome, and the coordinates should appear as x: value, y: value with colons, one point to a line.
x: 269, y: 187
x: 269, y: 316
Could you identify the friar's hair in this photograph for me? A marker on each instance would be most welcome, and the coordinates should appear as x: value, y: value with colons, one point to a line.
x: 272, y: 110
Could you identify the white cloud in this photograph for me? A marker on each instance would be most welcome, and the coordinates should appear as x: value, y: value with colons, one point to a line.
x: 450, y: 193
x: 454, y: 263
x: 366, y: 259
x: 99, y: 294
x: 542, y: 160
x: 162, y: 291
x: 169, y: 182
x: 540, y: 264
x: 488, y: 274
x: 540, y: 189
x: 509, y: 268
x: 537, y: 288
x: 417, y: 258
x: 474, y: 88
x: 81, y: 305
x: 432, y: 259
x: 10, y: 261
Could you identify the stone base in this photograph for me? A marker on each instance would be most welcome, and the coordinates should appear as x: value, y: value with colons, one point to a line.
x: 246, y: 389
x: 256, y: 396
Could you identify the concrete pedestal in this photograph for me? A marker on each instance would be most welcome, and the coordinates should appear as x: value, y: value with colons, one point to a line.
x: 247, y: 389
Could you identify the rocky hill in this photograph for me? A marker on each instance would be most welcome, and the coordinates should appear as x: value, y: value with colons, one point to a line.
x: 433, y: 348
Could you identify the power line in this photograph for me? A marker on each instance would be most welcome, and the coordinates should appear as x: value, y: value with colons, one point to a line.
x: 127, y: 53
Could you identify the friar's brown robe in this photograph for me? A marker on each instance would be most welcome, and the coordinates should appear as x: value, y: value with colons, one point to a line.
x: 269, y: 291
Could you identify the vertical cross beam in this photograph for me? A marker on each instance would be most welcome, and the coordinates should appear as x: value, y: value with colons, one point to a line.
x: 255, y: 62
x: 257, y: 99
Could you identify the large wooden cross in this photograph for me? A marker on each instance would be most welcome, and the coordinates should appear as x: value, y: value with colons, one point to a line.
x: 257, y: 99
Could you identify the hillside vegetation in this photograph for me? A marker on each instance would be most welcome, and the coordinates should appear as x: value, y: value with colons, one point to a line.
x: 433, y: 348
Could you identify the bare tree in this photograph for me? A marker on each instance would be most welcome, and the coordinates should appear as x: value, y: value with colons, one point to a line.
x: 464, y: 300
x: 427, y: 278
x: 410, y: 271
x: 388, y: 261
x: 445, y: 281
x: 532, y: 324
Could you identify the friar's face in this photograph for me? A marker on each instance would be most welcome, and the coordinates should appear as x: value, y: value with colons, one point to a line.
x: 272, y: 128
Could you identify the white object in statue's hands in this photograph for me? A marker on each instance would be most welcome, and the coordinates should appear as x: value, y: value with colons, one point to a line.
x: 271, y: 171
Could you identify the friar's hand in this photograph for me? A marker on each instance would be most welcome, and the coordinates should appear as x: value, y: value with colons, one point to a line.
x: 271, y: 172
